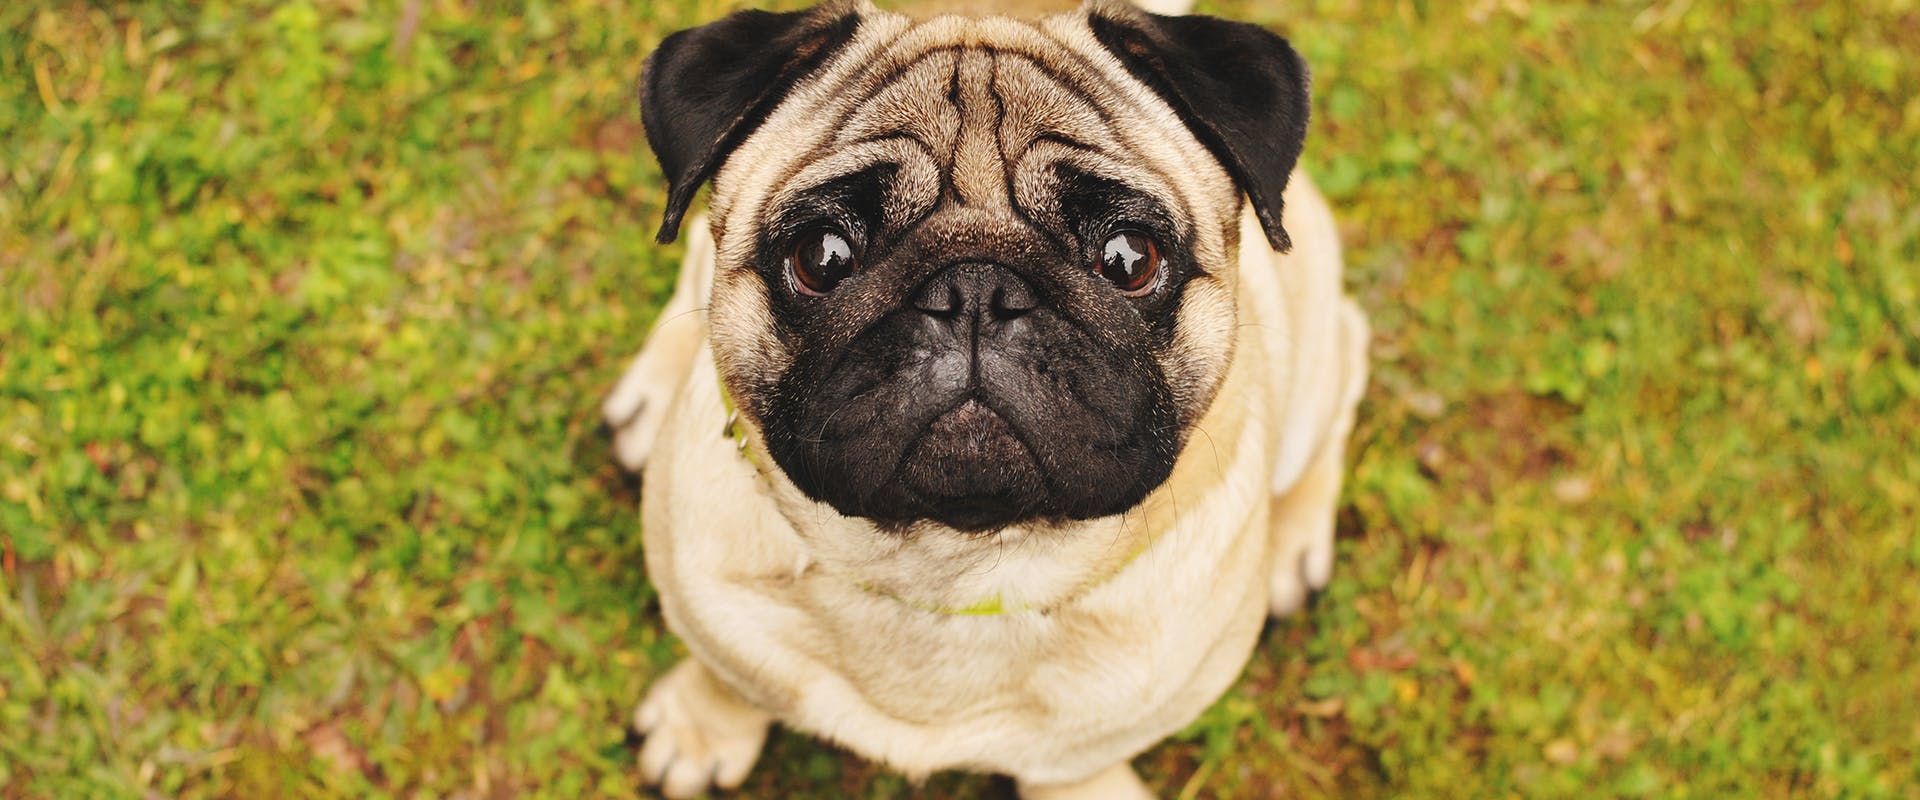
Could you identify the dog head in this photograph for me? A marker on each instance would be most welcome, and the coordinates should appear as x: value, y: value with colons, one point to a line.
x: 975, y: 272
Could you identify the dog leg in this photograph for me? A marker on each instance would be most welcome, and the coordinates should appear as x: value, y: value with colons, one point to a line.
x: 699, y: 733
x: 638, y: 403
x: 1302, y: 518
x: 1117, y: 782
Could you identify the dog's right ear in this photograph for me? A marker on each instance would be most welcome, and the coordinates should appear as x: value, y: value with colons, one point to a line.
x: 1241, y: 89
x: 705, y: 89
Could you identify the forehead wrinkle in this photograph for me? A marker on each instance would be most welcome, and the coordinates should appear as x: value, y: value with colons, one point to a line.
x: 1025, y: 40
x: 1053, y: 108
x: 921, y: 101
x: 1050, y: 105
x: 913, y: 188
x: 909, y: 102
x: 886, y: 44
x: 1054, y: 121
x: 978, y: 171
x: 1112, y: 144
x: 899, y: 90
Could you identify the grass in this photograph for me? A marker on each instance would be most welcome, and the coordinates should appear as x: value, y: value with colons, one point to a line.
x: 305, y: 309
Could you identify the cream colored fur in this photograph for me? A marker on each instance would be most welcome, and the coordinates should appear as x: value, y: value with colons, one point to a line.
x: 793, y: 612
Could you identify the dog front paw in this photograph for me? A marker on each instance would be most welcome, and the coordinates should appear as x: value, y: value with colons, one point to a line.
x: 1302, y: 566
x: 699, y: 734
x: 635, y: 408
x: 1117, y: 782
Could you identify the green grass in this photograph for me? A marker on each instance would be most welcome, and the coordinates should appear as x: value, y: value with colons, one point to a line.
x: 305, y: 309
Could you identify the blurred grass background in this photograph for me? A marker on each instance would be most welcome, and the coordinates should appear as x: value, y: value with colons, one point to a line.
x: 305, y: 308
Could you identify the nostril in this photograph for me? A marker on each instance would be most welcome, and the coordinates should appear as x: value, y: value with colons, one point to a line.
x: 976, y: 290
x: 939, y: 298
x: 1011, y: 303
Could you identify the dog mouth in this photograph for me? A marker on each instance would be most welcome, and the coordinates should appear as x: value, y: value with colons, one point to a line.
x: 913, y: 423
x: 972, y: 470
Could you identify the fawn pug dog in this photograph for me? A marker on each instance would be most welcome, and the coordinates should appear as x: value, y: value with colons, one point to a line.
x: 1003, y: 393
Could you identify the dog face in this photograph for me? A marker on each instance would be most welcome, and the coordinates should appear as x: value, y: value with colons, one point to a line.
x: 975, y: 273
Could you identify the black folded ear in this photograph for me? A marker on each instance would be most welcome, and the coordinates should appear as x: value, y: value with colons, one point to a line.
x: 705, y: 89
x: 1239, y: 88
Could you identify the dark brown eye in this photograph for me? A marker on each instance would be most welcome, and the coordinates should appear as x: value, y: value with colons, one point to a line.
x: 1131, y: 260
x: 819, y: 262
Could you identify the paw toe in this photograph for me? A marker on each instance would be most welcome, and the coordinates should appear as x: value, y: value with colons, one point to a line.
x: 631, y: 445
x: 1317, y: 565
x: 686, y: 777
x: 695, y: 740
x: 1286, y: 593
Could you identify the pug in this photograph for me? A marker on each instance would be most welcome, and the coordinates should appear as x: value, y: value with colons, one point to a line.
x: 1004, y: 391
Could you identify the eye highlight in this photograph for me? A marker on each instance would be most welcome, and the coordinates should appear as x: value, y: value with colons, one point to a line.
x: 1130, y: 260
x: 819, y: 261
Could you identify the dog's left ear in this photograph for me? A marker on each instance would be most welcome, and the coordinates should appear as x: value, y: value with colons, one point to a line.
x: 705, y: 89
x: 1239, y: 88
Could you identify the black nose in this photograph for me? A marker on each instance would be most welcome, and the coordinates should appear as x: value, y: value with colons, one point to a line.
x: 976, y: 290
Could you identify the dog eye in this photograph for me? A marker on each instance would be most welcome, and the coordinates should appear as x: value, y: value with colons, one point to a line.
x: 1131, y: 260
x: 819, y: 262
